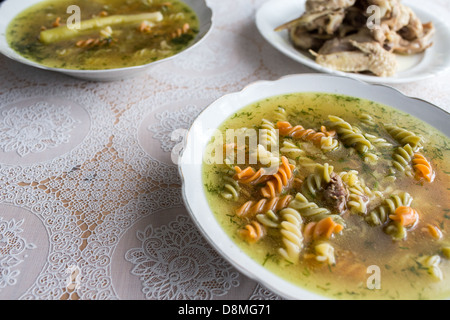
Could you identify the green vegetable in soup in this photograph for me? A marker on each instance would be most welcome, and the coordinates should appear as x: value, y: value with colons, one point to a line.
x: 110, y: 34
x: 65, y: 33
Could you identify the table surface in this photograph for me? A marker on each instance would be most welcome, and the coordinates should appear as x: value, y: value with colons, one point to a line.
x: 90, y: 199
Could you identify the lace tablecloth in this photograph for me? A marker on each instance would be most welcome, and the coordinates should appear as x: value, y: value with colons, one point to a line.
x: 90, y: 201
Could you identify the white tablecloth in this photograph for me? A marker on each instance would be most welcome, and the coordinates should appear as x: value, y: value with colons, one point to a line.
x: 90, y: 202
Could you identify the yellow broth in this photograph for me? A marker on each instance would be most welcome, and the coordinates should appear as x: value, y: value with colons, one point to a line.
x: 123, y: 45
x: 359, y: 246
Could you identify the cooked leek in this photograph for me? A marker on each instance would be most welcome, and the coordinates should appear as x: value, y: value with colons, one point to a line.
x: 65, y: 33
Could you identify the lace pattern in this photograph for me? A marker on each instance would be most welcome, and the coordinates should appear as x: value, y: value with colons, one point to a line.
x: 174, y: 263
x: 12, y: 251
x: 36, y: 128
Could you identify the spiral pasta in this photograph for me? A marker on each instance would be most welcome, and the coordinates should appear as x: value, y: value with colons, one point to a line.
x: 291, y: 149
x: 352, y: 179
x: 314, y: 182
x: 403, y: 219
x: 431, y: 264
x: 268, y: 134
x: 307, y: 209
x: 405, y: 216
x: 323, y: 229
x: 268, y: 219
x: 294, y: 152
x: 380, y: 215
x: 320, y: 139
x: 404, y: 137
x: 291, y: 233
x: 325, y: 253
x: 249, y: 176
x: 367, y: 119
x: 359, y: 193
x: 279, y: 180
x: 280, y: 114
x: 422, y: 167
x: 231, y: 189
x: 264, y: 156
x: 252, y: 232
x: 251, y: 208
x: 402, y: 158
x: 377, y: 141
x: 350, y: 135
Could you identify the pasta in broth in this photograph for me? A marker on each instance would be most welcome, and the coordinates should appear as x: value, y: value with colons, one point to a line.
x: 110, y: 34
x: 358, y: 206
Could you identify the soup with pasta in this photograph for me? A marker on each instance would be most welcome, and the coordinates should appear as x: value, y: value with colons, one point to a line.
x: 102, y: 34
x: 342, y: 196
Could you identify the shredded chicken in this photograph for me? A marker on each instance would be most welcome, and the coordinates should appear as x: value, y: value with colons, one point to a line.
x: 337, y: 34
x: 320, y: 5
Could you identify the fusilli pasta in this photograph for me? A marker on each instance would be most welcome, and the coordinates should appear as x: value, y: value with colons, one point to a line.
x: 351, y: 136
x: 381, y: 214
x: 279, y: 180
x: 291, y: 232
x: 251, y: 208
x: 404, y: 137
x: 320, y: 139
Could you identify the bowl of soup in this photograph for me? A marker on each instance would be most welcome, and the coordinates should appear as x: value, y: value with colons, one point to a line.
x: 99, y: 39
x: 323, y: 187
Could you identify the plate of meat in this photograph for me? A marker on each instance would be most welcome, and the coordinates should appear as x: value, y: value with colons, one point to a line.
x: 377, y: 41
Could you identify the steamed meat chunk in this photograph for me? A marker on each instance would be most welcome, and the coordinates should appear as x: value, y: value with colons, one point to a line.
x: 414, y: 29
x: 338, y: 35
x: 412, y: 38
x: 304, y: 40
x: 398, y: 17
x: 336, y: 194
x: 323, y: 22
x: 418, y: 44
x: 355, y: 56
x: 320, y: 5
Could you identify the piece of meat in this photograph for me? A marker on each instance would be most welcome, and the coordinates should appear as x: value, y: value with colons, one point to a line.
x: 337, y: 34
x: 336, y: 45
x: 305, y: 40
x: 398, y: 17
x: 343, y: 44
x: 414, y: 29
x: 355, y: 17
x: 386, y: 7
x: 320, y: 5
x: 417, y: 45
x: 336, y: 194
x: 349, y: 55
x: 413, y: 42
x: 380, y: 62
x: 327, y: 21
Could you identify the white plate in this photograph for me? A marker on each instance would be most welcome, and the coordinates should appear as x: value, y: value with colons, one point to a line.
x: 200, y: 133
x: 411, y: 68
x: 10, y: 8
